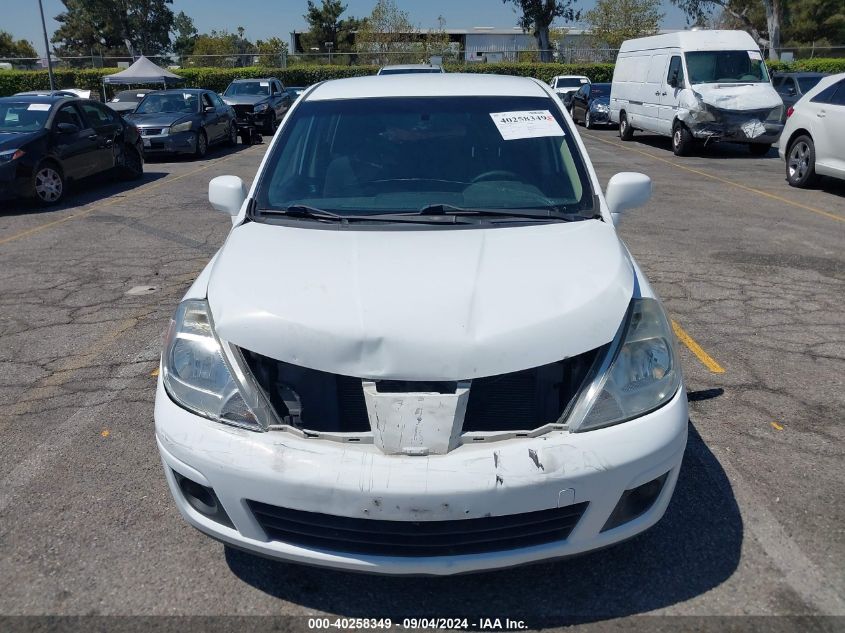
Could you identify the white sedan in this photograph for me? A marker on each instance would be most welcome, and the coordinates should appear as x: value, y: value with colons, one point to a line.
x: 813, y: 140
x: 423, y: 348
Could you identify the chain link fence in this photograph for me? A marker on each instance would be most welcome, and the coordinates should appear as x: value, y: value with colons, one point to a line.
x: 561, y: 54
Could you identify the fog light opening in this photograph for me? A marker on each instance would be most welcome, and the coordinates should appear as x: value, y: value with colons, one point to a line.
x: 202, y: 499
x: 635, y: 502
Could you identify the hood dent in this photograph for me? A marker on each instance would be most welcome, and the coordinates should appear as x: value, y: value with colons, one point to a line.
x: 421, y: 305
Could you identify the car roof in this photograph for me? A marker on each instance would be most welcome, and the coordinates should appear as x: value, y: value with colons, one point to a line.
x: 702, y: 40
x: 410, y: 66
x: 806, y: 73
x: 427, y: 85
x: 570, y: 77
x: 39, y: 98
x: 179, y: 90
x: 242, y: 79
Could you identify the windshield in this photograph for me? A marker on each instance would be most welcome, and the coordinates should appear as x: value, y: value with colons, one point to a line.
x: 725, y: 67
x: 250, y: 88
x: 570, y: 82
x: 187, y: 102
x: 807, y: 83
x: 599, y: 90
x: 402, y: 154
x: 23, y: 117
x: 129, y: 95
x: 407, y: 71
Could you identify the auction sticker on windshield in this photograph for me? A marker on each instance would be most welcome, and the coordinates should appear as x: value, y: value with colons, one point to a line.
x: 526, y: 124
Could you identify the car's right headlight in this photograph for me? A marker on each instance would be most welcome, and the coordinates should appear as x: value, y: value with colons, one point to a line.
x: 197, y: 374
x: 180, y: 127
x: 638, y: 374
x: 261, y: 107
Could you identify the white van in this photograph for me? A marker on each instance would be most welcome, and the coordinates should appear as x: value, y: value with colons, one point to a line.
x: 696, y: 86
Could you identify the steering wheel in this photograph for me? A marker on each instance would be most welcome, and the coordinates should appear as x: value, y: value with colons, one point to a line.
x: 495, y: 174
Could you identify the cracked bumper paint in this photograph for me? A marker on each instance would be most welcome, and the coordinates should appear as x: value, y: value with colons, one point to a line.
x: 472, y: 481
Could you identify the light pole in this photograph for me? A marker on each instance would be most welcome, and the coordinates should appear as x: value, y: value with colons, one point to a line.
x: 47, y: 47
x: 330, y: 46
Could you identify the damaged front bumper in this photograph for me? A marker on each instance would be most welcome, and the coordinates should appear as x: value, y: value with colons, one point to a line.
x: 350, y: 506
x: 733, y: 127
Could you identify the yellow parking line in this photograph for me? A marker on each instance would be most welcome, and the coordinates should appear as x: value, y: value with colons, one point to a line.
x: 133, y: 194
x: 154, y: 373
x: 776, y: 426
x: 696, y: 349
x: 773, y: 196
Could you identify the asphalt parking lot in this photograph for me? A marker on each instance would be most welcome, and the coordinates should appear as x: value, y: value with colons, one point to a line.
x: 751, y: 271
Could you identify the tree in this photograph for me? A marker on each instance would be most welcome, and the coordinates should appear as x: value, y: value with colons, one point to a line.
x: 223, y: 48
x: 10, y: 47
x: 184, y: 34
x: 810, y: 21
x: 538, y: 16
x: 614, y: 21
x: 742, y: 11
x: 388, y: 29
x: 139, y: 27
x: 326, y: 25
x: 271, y: 51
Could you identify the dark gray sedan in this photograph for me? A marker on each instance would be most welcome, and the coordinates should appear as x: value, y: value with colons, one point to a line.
x: 792, y: 86
x: 184, y: 121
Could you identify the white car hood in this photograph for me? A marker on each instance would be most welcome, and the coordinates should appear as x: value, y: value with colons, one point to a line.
x: 738, y: 97
x: 440, y: 304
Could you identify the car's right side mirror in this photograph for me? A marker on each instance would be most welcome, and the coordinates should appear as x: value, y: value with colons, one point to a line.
x: 626, y: 190
x: 227, y: 194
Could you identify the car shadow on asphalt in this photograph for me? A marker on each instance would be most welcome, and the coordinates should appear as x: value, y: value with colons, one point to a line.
x: 711, y: 150
x: 694, y: 548
x: 81, y: 194
x: 215, y: 151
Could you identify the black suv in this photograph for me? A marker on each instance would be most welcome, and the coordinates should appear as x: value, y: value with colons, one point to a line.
x: 261, y: 102
x: 47, y: 140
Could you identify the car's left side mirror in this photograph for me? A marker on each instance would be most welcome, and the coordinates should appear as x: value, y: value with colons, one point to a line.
x: 626, y: 190
x: 227, y: 194
x: 209, y: 109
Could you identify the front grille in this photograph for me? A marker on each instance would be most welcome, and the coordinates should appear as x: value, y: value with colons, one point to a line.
x: 152, y: 131
x: 332, y: 403
x: 243, y: 112
x: 416, y: 538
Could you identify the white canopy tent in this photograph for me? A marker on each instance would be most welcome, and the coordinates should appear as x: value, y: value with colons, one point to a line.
x: 142, y: 71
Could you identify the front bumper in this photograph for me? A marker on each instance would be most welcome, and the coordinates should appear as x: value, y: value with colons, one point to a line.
x: 476, y: 480
x: 739, y: 131
x: 180, y: 143
x: 599, y: 116
x: 14, y: 180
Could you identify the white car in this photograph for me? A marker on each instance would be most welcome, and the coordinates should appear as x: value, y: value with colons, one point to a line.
x: 565, y: 84
x: 410, y: 69
x: 423, y: 348
x: 813, y: 139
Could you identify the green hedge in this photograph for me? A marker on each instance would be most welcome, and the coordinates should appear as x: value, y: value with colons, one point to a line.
x: 12, y: 81
x: 817, y: 64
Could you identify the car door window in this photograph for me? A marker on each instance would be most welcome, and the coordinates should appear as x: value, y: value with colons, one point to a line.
x: 218, y: 102
x: 95, y: 116
x: 838, y: 97
x: 206, y: 101
x: 676, y: 71
x: 68, y: 114
x: 826, y: 95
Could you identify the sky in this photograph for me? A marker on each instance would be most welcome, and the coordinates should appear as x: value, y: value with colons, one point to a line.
x: 266, y: 18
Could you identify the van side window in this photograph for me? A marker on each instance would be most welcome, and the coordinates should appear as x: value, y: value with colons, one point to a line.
x: 676, y: 71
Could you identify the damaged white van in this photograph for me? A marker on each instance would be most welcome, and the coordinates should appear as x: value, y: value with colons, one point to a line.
x: 697, y: 87
x: 423, y: 348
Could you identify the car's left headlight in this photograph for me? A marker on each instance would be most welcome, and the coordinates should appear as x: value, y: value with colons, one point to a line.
x: 200, y: 376
x: 10, y: 155
x: 261, y: 107
x: 180, y: 127
x: 599, y: 107
x: 775, y: 114
x: 638, y: 374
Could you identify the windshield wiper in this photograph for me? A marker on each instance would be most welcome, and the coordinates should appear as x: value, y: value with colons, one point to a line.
x: 313, y: 213
x: 539, y: 213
